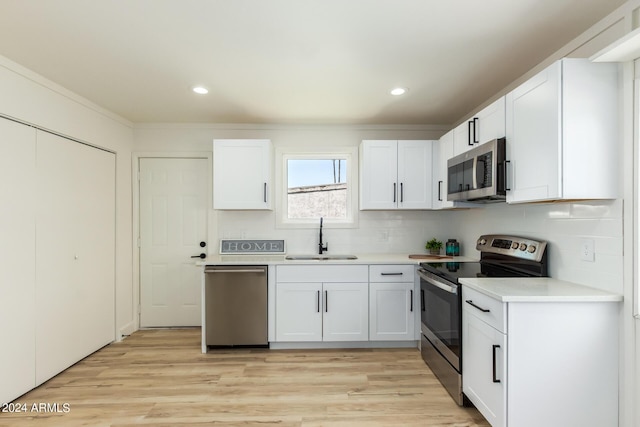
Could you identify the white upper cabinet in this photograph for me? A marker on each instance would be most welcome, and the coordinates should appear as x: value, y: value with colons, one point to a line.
x: 561, y: 130
x: 486, y: 125
x: 396, y: 175
x: 242, y: 174
x: 442, y: 151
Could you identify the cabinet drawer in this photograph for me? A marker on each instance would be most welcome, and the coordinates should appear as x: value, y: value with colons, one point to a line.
x: 490, y: 310
x: 322, y: 273
x: 391, y: 273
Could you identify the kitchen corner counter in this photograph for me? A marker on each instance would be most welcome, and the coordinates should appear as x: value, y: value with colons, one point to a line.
x: 362, y: 259
x: 538, y: 289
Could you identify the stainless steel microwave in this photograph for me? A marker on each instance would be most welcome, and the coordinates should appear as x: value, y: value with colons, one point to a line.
x: 478, y: 175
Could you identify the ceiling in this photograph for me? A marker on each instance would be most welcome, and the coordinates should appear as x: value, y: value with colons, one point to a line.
x: 290, y: 61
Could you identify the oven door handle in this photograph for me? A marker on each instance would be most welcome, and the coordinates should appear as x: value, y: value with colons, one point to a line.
x: 452, y: 289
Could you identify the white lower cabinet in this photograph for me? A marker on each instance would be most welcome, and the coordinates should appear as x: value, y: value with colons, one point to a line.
x: 484, y: 365
x: 345, y: 303
x: 549, y: 364
x: 322, y: 303
x: 299, y: 315
x: 391, y: 303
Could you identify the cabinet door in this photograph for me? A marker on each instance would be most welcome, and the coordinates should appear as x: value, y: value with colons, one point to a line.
x: 490, y: 122
x: 298, y: 312
x: 391, y: 311
x: 378, y: 175
x: 17, y: 258
x: 442, y: 153
x: 484, y: 368
x: 463, y: 137
x: 242, y: 174
x: 75, y: 252
x: 533, y: 138
x: 415, y: 159
x: 346, y: 312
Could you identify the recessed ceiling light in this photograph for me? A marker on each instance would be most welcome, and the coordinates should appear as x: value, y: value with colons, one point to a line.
x: 201, y: 90
x: 398, y: 91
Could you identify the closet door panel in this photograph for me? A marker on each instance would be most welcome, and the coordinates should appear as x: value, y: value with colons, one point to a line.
x: 17, y: 258
x: 75, y: 251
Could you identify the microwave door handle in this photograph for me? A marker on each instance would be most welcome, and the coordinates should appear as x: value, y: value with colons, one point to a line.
x: 474, y: 173
x: 506, y: 181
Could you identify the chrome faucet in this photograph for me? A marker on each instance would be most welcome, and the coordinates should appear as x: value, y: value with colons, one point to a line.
x: 322, y: 248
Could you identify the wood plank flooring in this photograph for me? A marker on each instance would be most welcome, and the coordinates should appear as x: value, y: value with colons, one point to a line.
x: 160, y: 378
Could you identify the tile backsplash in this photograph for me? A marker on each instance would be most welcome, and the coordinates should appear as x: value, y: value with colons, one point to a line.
x: 564, y: 225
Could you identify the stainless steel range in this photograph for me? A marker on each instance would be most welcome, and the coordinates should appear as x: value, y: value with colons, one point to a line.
x: 441, y: 300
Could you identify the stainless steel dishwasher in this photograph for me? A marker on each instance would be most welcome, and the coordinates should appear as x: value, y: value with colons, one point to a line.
x: 236, y: 305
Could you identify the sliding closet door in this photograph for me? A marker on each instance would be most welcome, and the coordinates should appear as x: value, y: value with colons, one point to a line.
x: 17, y: 259
x: 75, y: 252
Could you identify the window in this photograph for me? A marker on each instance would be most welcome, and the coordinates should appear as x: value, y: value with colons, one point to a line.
x: 317, y: 188
x: 318, y: 185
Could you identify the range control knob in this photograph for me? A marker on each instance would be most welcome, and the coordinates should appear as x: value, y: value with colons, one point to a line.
x: 514, y: 245
x: 523, y: 246
x: 531, y: 249
x: 482, y: 242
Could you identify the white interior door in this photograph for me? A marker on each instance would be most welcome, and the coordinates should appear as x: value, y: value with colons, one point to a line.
x: 17, y: 258
x: 75, y: 252
x: 173, y: 223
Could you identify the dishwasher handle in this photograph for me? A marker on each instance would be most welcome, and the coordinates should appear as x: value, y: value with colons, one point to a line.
x: 209, y: 269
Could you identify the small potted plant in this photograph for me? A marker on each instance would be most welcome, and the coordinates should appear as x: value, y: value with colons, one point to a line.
x: 433, y: 246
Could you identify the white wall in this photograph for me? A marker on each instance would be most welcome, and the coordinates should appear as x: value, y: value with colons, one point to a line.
x: 30, y: 98
x: 564, y: 226
x: 377, y: 231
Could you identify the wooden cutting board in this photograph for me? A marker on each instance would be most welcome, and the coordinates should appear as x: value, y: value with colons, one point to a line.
x: 428, y: 256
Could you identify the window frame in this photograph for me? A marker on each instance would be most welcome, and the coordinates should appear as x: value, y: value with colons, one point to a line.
x: 283, y: 154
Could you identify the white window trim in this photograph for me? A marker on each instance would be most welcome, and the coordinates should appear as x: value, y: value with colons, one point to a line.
x: 286, y: 153
x: 636, y: 195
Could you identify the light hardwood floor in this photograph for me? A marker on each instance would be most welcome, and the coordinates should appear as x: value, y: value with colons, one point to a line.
x: 160, y: 378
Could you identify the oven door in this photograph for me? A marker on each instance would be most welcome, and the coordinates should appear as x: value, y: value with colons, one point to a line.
x: 440, y: 312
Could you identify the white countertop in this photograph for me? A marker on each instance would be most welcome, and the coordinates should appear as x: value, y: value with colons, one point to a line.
x: 362, y: 259
x: 538, y: 289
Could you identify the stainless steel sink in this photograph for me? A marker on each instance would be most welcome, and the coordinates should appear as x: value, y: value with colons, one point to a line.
x: 320, y: 257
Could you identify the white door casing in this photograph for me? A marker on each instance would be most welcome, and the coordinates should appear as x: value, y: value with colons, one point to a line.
x: 173, y: 223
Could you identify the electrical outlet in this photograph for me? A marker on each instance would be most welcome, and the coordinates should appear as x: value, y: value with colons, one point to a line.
x: 383, y: 236
x: 587, y: 250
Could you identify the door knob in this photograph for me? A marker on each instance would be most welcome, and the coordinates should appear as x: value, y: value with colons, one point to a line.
x: 202, y: 255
